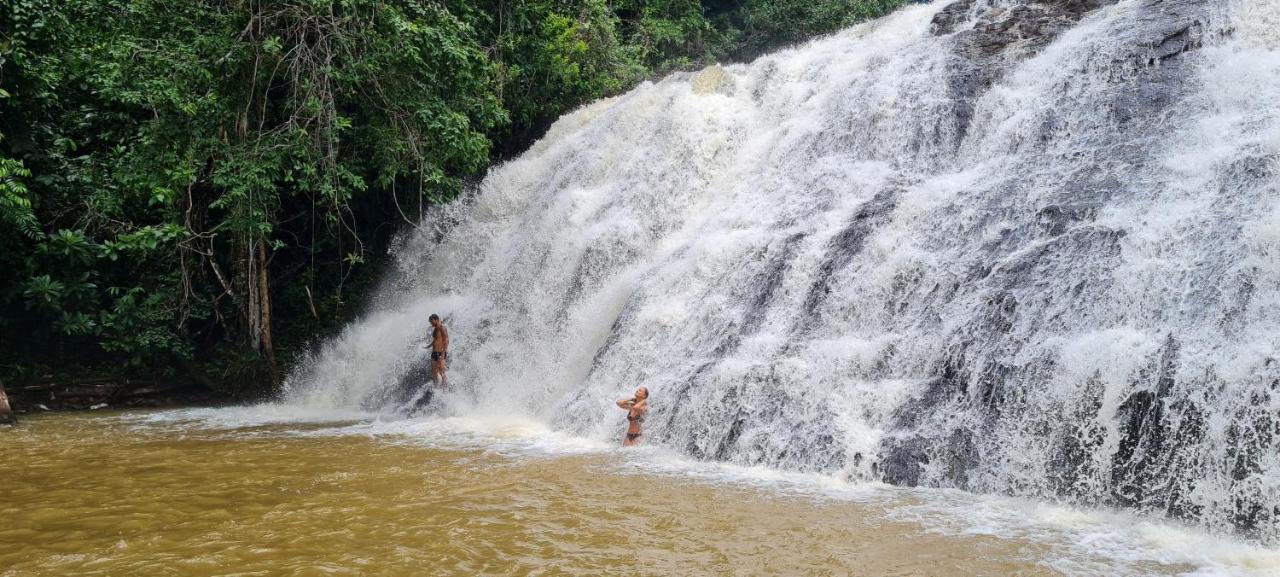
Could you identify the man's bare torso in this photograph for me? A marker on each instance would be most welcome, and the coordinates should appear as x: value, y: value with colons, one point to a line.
x: 440, y: 339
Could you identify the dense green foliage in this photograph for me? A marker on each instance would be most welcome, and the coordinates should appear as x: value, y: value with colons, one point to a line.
x: 187, y: 180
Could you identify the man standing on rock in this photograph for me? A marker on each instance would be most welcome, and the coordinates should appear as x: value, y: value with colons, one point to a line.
x: 439, y: 350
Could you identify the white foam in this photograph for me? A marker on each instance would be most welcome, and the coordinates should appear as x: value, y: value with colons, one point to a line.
x: 231, y: 418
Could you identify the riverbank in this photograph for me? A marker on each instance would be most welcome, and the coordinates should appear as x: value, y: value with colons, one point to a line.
x: 103, y: 392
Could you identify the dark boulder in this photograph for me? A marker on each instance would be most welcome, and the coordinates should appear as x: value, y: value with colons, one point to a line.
x: 903, y: 460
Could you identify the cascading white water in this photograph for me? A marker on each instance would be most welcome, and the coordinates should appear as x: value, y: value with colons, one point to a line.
x: 1026, y: 248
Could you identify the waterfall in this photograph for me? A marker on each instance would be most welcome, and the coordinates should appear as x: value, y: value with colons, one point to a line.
x: 1019, y: 247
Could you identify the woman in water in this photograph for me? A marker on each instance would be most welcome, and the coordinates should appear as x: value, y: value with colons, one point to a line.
x: 636, y: 407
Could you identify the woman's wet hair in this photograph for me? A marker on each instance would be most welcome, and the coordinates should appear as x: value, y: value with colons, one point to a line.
x: 434, y: 318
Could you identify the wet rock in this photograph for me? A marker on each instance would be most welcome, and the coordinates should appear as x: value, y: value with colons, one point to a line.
x: 903, y: 461
x: 1071, y: 466
x: 903, y: 458
x: 1250, y: 438
x: 951, y: 17
x: 960, y: 457
x: 753, y: 422
x: 1055, y: 219
x: 947, y: 388
x: 414, y: 390
x: 1171, y: 28
x: 6, y: 413
x: 762, y: 290
x: 843, y: 247
x: 1176, y: 42
x: 1150, y: 470
x: 990, y: 39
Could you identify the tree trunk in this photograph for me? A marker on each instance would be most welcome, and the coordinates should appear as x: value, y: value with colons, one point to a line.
x: 6, y: 414
x: 264, y: 310
x: 247, y: 276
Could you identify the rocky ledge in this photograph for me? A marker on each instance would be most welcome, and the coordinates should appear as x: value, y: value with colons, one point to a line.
x: 103, y: 393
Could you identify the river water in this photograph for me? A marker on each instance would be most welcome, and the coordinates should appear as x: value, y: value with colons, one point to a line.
x: 271, y: 491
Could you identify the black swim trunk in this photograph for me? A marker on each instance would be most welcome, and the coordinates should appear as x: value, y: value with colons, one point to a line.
x: 439, y: 355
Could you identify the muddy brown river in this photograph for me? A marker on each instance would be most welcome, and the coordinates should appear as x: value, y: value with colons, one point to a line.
x: 189, y: 493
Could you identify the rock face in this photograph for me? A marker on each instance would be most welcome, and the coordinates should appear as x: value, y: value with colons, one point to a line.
x: 1161, y: 438
x: 1151, y: 78
x: 991, y: 38
x: 6, y: 413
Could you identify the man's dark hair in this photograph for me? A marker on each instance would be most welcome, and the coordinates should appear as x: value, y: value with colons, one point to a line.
x: 434, y: 318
